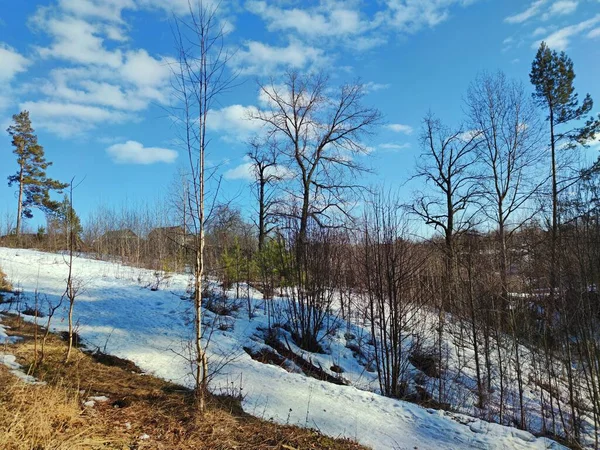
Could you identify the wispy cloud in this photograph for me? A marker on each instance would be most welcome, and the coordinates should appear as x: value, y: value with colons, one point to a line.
x: 595, y: 33
x: 333, y: 19
x: 410, y: 16
x: 533, y: 9
x: 393, y: 147
x: 344, y: 23
x: 374, y: 87
x: 563, y: 7
x: 68, y: 119
x: 560, y: 39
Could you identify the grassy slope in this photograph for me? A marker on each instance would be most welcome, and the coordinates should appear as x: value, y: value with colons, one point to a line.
x: 52, y: 416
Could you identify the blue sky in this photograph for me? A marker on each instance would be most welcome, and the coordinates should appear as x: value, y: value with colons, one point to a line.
x: 94, y: 75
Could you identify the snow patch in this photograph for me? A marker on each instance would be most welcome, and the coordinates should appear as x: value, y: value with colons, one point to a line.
x: 15, y: 368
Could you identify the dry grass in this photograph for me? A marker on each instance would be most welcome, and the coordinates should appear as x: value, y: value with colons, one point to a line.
x: 43, y: 417
x: 51, y: 416
x: 5, y: 285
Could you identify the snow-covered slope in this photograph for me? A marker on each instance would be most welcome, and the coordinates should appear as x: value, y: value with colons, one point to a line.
x: 117, y: 313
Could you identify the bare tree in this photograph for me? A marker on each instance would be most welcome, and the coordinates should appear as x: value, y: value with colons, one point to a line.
x: 73, y: 284
x: 263, y: 157
x: 199, y: 78
x: 447, y: 163
x: 318, y: 132
x: 391, y: 267
x: 508, y: 153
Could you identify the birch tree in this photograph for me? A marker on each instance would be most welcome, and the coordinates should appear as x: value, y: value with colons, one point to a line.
x: 200, y: 76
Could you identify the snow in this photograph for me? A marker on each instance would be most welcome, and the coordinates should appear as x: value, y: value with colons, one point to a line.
x: 15, y: 368
x: 10, y: 361
x: 4, y: 337
x: 91, y: 401
x: 118, y: 314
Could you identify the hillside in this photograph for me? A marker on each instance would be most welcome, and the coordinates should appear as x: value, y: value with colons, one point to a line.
x: 118, y: 313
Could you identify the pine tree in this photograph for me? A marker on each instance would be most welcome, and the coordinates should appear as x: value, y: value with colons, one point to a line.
x: 34, y: 185
x: 65, y: 221
x: 552, y: 76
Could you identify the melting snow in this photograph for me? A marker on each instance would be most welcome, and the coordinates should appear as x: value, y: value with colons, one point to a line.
x: 116, y: 313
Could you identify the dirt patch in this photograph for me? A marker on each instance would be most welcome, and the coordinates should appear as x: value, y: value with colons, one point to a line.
x: 307, y: 367
x: 266, y: 356
x: 77, y: 343
x: 426, y: 363
x: 115, y: 361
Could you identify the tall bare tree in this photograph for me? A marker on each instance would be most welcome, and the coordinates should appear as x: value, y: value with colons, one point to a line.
x: 319, y: 132
x: 508, y: 153
x: 447, y: 164
x: 199, y: 78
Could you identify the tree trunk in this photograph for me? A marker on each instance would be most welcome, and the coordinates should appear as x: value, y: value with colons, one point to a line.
x: 261, y: 216
x: 554, y: 242
x: 20, y: 206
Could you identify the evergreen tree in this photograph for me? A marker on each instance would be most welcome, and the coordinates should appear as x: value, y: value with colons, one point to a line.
x: 65, y: 221
x: 34, y: 185
x: 552, y: 76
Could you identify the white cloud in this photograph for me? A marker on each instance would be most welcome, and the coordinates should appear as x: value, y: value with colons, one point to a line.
x: 234, y: 121
x: 469, y: 135
x: 329, y: 19
x: 75, y: 40
x: 563, y: 7
x: 140, y: 68
x: 50, y: 109
x: 400, y: 128
x: 533, y: 9
x: 245, y: 171
x: 104, y: 77
x: 260, y: 58
x: 560, y: 39
x: 109, y: 10
x: 12, y: 64
x: 410, y: 16
x: 374, y: 87
x: 68, y: 119
x: 595, y: 33
x: 558, y: 8
x: 343, y: 23
x: 393, y: 147
x: 133, y: 152
x: 179, y: 6
x: 539, y: 31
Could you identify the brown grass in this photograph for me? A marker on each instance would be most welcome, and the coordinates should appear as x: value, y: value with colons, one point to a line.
x: 51, y: 416
x: 5, y: 285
